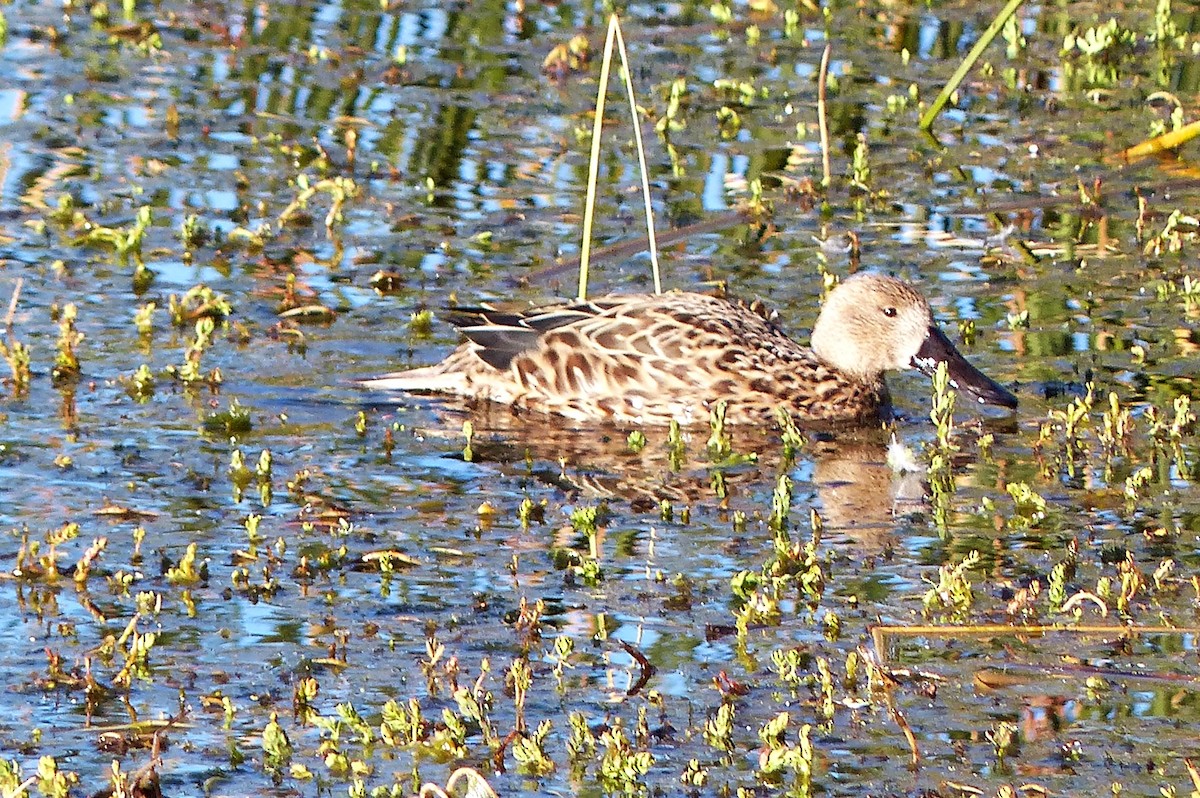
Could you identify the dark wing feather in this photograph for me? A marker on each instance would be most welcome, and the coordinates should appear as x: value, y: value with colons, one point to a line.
x: 499, y: 345
x: 502, y: 335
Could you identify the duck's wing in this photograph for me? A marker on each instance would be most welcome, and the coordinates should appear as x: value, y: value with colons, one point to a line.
x: 501, y: 335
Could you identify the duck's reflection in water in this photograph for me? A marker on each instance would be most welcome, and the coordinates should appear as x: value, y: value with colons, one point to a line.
x: 842, y: 473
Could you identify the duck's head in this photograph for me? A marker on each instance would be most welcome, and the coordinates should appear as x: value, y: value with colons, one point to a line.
x: 871, y: 324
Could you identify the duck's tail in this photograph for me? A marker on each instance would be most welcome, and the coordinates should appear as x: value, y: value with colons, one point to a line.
x: 453, y: 375
x: 430, y: 379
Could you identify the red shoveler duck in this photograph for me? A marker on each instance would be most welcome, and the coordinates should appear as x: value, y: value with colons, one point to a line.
x: 651, y: 358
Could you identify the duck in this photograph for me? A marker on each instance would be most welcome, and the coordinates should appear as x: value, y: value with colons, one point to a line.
x: 649, y: 359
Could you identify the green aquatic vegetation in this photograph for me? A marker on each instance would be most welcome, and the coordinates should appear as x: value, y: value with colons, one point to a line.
x: 517, y: 680
x: 84, y: 566
x: 1107, y: 39
x: 125, y: 242
x: 1179, y: 229
x: 52, y: 782
x: 193, y: 232
x: 720, y: 445
x: 739, y: 521
x: 239, y: 474
x: 1174, y: 124
x: 1004, y: 739
x: 420, y: 324
x: 694, y: 775
x: 1056, y: 592
x: 567, y: 57
x: 718, y: 729
x: 251, y: 526
x: 826, y: 703
x: 140, y: 385
x: 1137, y: 486
x: 953, y: 592
x: 529, y: 513
x: 671, y: 120
x: 1162, y: 576
x: 276, y: 747
x: 729, y: 122
x: 304, y: 696
x: 621, y: 766
x: 1013, y: 38
x: 66, y: 359
x: 860, y: 167
x: 1029, y: 508
x: 16, y: 354
x: 143, y: 37
x: 1189, y: 289
x: 1166, y: 32
x: 721, y: 13
x: 348, y: 724
x: 1182, y: 422
x: 199, y: 302
x: 942, y: 412
x: 475, y: 707
x: 832, y: 626
x: 1132, y: 581
x: 581, y: 743
x: 529, y: 751
x: 1018, y: 320
x: 718, y: 483
x: 583, y: 520
x: 262, y: 471
x: 232, y: 421
x: 676, y: 446
x: 781, y: 506
x: 468, y: 431
x: 561, y: 653
x: 340, y: 190
x: 136, y: 647
x: 1094, y: 58
x: 791, y: 665
x: 186, y: 571
x: 791, y: 24
x: 739, y: 91
x: 854, y: 662
x: 758, y: 608
x: 778, y: 757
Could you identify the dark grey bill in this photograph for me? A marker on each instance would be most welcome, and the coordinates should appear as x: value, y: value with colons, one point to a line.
x: 963, y: 376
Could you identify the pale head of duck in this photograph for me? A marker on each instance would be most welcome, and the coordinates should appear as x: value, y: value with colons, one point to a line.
x: 871, y: 324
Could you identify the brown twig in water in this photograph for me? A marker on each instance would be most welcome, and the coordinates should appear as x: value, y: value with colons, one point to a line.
x: 880, y: 633
x: 988, y: 676
x: 898, y: 717
x: 12, y: 305
x: 647, y: 668
x: 498, y: 757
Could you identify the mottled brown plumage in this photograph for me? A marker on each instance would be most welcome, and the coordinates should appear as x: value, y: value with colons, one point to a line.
x: 648, y: 359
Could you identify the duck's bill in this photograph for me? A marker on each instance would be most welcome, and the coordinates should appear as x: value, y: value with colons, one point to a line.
x: 963, y: 376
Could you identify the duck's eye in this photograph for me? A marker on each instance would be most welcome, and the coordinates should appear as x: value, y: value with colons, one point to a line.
x: 889, y: 312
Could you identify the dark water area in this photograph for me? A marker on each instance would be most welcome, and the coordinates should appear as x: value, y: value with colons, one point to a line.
x: 215, y: 218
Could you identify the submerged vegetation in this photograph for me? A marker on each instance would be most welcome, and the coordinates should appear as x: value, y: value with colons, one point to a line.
x: 228, y: 571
